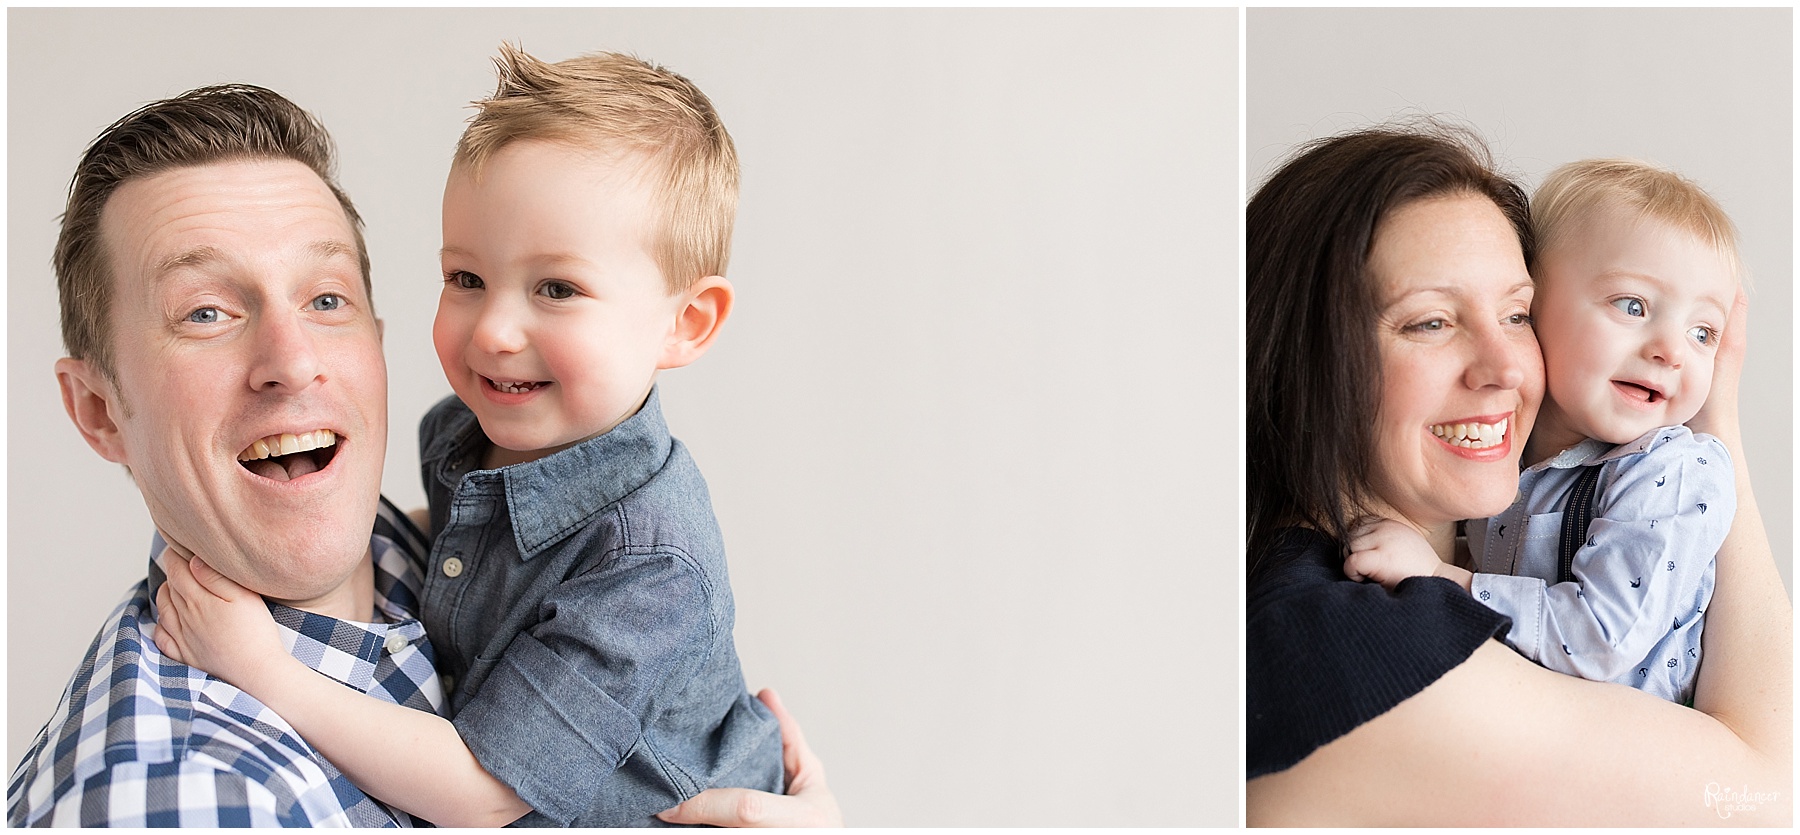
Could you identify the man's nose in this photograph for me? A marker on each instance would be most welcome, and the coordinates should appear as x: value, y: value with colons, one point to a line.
x: 285, y: 354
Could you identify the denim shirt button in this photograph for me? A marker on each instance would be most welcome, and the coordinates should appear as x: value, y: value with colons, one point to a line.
x: 453, y: 567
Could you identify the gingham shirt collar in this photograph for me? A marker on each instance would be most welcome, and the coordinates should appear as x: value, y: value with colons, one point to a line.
x: 352, y: 652
x: 140, y: 740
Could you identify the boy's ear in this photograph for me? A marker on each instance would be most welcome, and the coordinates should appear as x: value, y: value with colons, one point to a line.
x: 90, y: 400
x: 704, y: 308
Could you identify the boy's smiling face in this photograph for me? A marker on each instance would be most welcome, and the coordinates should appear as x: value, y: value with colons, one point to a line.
x: 554, y: 316
x: 1628, y: 312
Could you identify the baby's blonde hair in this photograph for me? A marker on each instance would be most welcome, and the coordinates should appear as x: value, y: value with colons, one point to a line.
x: 1576, y: 191
x: 623, y: 105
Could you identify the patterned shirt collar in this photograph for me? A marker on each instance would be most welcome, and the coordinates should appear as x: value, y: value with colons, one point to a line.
x: 141, y: 740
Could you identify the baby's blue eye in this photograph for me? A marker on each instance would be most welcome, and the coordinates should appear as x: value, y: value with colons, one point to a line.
x: 206, y: 316
x: 329, y: 301
x: 1703, y: 335
x: 1631, y: 306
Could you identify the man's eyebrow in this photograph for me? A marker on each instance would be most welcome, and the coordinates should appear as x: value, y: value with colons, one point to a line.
x: 327, y: 250
x: 192, y: 258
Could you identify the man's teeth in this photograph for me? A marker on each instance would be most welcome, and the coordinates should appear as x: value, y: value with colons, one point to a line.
x: 288, y: 443
x: 1471, y: 435
x: 513, y: 388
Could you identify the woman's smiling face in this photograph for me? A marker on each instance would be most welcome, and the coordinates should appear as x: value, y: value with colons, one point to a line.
x: 1461, y: 373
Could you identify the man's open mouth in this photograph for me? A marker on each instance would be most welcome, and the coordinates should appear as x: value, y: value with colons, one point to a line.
x: 287, y: 456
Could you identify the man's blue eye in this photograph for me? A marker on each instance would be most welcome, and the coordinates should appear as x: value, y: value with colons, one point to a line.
x: 205, y: 316
x: 329, y: 301
x: 1630, y: 306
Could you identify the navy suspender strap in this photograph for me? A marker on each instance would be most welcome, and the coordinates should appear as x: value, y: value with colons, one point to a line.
x: 1576, y: 515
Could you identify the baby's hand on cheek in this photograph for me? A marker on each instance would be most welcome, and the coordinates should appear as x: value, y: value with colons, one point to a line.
x: 1386, y: 552
x: 206, y: 620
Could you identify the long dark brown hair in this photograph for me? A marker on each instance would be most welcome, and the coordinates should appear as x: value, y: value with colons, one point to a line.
x: 1313, y: 372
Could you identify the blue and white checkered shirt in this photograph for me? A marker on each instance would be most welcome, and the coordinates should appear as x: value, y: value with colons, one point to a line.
x: 140, y: 740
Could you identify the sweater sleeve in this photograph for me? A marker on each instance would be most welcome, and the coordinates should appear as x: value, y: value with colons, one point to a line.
x: 1324, y: 654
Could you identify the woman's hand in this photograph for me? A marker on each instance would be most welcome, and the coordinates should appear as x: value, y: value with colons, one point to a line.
x: 808, y: 802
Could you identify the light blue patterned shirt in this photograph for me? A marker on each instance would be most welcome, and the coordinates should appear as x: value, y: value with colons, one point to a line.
x: 1644, y: 578
x: 141, y: 740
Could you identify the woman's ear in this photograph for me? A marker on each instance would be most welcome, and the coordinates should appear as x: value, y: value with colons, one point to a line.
x: 704, y: 307
x: 90, y: 398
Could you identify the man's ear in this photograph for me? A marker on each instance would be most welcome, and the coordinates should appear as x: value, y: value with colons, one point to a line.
x: 91, y: 400
x: 704, y: 308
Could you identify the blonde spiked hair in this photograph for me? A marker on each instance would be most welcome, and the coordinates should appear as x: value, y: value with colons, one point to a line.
x: 628, y: 105
x: 1575, y: 191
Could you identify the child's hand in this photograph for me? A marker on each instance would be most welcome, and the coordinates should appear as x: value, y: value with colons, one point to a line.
x: 1387, y: 552
x: 207, y: 621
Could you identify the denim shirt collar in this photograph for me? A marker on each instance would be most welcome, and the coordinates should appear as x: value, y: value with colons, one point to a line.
x: 563, y: 491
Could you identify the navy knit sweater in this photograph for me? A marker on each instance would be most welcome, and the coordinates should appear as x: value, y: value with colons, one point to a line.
x: 1324, y: 654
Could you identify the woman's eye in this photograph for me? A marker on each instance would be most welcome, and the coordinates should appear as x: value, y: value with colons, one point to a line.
x: 206, y: 316
x: 329, y: 301
x: 1630, y: 306
x: 558, y: 290
x: 465, y: 280
x: 1703, y: 335
x: 1429, y: 325
x: 1519, y: 319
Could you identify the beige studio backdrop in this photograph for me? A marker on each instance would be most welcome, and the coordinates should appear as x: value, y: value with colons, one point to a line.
x: 963, y: 432
x: 1706, y: 92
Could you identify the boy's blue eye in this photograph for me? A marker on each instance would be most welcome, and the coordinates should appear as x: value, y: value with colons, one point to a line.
x: 1630, y: 306
x: 1703, y: 334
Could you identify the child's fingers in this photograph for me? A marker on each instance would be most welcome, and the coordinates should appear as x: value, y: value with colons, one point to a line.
x: 210, y: 579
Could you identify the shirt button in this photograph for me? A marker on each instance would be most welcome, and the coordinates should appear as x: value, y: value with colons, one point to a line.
x: 395, y: 642
x: 453, y: 567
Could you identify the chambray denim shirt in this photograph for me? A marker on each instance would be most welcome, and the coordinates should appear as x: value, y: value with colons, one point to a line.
x: 581, y: 610
x: 1633, y: 613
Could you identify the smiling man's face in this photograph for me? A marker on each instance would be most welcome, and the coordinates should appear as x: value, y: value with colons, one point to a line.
x: 240, y: 316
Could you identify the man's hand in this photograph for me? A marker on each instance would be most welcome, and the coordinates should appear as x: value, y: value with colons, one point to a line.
x: 206, y: 620
x: 808, y: 802
x: 1386, y: 552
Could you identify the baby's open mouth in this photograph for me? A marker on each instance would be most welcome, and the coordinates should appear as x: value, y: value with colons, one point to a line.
x: 1644, y: 393
x: 286, y: 456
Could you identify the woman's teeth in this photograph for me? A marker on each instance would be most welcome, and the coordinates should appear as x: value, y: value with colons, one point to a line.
x: 287, y: 444
x: 1471, y: 435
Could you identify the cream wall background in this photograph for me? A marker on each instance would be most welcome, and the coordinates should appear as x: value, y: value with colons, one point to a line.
x: 963, y: 432
x: 1707, y: 92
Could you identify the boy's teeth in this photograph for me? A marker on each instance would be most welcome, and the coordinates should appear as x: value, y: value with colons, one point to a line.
x: 1471, y: 435
x: 511, y: 387
x: 287, y: 443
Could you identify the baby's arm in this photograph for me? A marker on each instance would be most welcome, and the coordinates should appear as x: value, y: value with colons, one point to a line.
x: 411, y: 759
x: 1387, y: 552
x: 1655, y: 530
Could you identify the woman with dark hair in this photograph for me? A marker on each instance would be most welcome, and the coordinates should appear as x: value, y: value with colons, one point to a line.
x: 1388, y: 294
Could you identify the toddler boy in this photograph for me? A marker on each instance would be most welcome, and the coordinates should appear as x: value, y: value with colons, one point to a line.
x: 1605, y: 560
x: 576, y: 591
